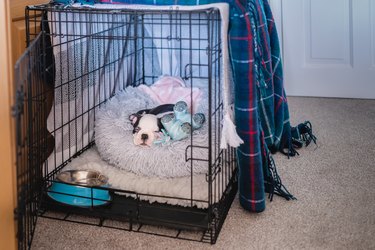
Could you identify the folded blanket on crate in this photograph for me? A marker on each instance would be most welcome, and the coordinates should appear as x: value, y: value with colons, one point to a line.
x: 261, y: 108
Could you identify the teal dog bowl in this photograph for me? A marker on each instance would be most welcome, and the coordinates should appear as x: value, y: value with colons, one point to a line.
x: 77, y: 188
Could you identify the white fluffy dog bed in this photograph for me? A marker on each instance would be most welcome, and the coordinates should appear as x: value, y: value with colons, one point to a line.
x: 114, y: 139
x: 126, y: 180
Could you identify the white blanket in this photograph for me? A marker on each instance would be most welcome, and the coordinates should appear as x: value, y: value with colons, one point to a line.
x: 125, y: 180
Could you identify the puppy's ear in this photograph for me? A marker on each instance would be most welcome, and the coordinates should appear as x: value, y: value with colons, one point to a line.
x: 134, y: 119
x: 160, y: 125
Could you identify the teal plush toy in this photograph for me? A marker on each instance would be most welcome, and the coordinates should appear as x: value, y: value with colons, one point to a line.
x: 179, y: 124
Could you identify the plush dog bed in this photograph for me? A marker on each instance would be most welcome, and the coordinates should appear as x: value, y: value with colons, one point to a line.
x: 114, y: 139
x: 125, y: 180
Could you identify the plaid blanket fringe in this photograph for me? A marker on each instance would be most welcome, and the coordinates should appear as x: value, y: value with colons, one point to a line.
x: 261, y: 108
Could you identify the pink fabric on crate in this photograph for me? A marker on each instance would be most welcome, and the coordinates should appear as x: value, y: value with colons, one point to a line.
x: 171, y: 89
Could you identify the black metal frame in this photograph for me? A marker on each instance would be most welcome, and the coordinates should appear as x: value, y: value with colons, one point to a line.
x: 37, y: 81
x: 30, y: 111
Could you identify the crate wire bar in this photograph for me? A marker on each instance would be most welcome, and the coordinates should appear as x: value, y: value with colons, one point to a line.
x: 30, y: 135
x: 106, y: 51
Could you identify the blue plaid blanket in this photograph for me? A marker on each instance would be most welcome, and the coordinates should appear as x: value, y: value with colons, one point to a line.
x: 261, y: 108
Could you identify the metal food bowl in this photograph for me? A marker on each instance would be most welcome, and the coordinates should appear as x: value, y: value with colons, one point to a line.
x: 77, y: 187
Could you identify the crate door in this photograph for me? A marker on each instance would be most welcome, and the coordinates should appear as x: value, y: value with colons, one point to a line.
x: 33, y: 99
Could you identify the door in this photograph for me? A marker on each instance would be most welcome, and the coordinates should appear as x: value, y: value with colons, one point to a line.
x: 329, y: 48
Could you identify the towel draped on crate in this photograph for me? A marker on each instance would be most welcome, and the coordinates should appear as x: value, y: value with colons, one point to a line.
x: 261, y: 108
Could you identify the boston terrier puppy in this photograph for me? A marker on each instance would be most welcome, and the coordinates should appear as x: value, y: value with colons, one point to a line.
x: 147, y: 124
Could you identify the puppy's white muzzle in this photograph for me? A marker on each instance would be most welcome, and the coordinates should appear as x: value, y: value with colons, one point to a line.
x: 144, y: 138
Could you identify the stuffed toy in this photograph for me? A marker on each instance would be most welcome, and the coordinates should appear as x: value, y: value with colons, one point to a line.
x: 176, y: 124
x: 179, y: 125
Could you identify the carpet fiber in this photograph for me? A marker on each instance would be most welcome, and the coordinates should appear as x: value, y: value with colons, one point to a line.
x: 334, y: 184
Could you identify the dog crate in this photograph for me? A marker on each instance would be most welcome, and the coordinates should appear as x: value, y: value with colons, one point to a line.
x: 78, y: 60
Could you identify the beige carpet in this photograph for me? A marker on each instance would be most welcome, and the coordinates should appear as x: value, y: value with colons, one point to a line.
x: 334, y: 184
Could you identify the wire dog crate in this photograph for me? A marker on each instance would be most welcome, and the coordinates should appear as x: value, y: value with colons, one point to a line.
x: 72, y: 51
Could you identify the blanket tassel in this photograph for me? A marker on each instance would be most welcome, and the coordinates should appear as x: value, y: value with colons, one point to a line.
x: 302, y: 134
x: 229, y: 134
x: 290, y: 146
x: 274, y: 184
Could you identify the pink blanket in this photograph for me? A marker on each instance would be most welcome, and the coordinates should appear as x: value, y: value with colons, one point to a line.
x: 170, y: 89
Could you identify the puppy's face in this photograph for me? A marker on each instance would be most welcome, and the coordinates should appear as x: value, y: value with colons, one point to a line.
x: 146, y: 129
